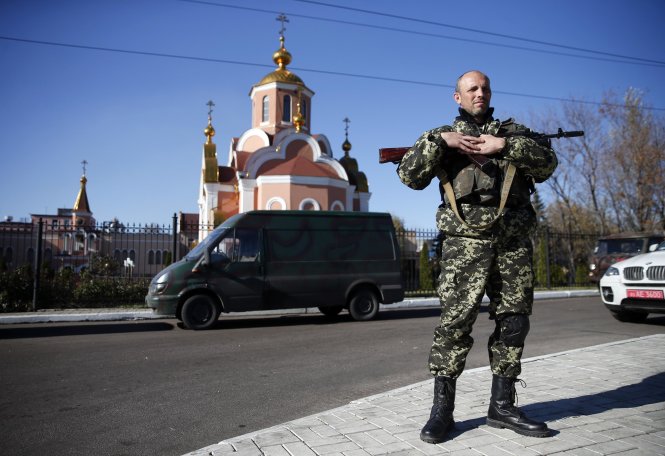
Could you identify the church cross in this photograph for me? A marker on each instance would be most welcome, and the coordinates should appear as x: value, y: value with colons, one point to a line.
x: 84, y: 163
x: 210, y: 105
x: 282, y: 18
x: 346, y: 128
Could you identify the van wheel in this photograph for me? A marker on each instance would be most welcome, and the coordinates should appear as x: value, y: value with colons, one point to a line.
x: 200, y: 312
x: 363, y: 305
x: 331, y: 311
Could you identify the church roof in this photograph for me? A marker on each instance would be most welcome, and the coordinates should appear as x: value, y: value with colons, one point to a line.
x: 81, y: 204
x: 298, y: 166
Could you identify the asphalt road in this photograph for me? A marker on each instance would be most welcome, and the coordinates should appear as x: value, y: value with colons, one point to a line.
x: 150, y: 387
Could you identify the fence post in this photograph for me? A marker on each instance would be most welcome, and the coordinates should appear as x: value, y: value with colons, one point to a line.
x: 38, y: 264
x: 547, y: 258
x: 175, y: 239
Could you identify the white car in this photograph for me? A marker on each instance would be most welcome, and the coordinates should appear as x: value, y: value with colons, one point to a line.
x: 633, y: 288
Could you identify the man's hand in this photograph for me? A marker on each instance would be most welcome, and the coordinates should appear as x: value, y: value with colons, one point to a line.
x: 491, y: 144
x: 483, y: 145
x: 466, y: 144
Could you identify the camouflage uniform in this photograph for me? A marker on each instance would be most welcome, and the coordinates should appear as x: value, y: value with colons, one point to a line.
x: 496, y: 260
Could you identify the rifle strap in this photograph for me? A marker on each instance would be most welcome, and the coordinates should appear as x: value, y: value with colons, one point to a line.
x: 505, y: 191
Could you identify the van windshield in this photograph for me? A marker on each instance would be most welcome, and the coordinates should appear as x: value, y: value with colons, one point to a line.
x: 209, y: 240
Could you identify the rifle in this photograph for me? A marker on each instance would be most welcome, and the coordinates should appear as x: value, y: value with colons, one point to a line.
x: 395, y: 154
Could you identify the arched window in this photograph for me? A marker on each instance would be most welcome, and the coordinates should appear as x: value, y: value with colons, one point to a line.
x: 276, y: 204
x: 303, y: 108
x: 337, y: 206
x: 286, y: 110
x: 117, y: 255
x: 132, y: 255
x: 266, y: 114
x: 151, y: 257
x: 309, y: 204
x: 158, y: 257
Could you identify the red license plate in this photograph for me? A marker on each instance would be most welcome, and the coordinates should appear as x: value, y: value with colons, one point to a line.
x: 645, y: 294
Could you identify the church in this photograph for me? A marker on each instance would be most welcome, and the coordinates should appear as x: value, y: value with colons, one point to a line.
x: 278, y: 164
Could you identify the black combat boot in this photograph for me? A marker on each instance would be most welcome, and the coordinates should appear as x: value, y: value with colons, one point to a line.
x: 441, y: 418
x: 503, y: 413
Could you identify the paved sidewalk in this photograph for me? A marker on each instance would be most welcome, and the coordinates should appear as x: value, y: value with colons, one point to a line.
x: 602, y: 400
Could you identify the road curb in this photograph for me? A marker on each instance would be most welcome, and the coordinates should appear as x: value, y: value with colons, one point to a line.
x: 55, y: 316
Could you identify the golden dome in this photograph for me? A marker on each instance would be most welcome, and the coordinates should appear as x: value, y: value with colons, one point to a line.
x: 282, y: 58
x: 346, y: 146
x: 280, y: 75
x: 209, y: 131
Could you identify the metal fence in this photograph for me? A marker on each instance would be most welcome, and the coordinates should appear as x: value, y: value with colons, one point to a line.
x: 129, y: 255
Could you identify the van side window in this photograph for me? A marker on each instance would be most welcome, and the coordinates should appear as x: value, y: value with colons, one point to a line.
x: 247, y: 245
x: 239, y: 246
x: 329, y: 245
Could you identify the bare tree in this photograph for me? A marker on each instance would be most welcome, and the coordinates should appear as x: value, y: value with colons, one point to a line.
x: 613, y: 178
x: 634, y: 177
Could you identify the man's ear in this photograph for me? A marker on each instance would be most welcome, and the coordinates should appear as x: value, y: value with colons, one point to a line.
x: 457, y: 98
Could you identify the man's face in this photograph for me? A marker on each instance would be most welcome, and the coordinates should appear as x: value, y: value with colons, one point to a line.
x: 474, y: 94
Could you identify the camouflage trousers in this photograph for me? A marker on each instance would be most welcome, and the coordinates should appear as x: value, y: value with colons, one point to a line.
x: 469, y: 269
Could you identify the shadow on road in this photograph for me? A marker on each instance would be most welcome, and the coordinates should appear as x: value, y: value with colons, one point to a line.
x: 73, y: 329
x: 238, y: 321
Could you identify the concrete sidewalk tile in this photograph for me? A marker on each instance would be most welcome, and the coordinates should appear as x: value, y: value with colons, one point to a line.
x: 655, y: 438
x: 479, y: 439
x: 357, y: 426
x: 277, y: 437
x: 641, y: 423
x: 420, y: 447
x: 325, y: 431
x: 358, y: 452
x: 363, y: 440
x: 299, y: 449
x: 506, y: 448
x: 577, y: 452
x: 617, y: 446
x: 335, y: 448
x: 274, y: 450
x: 241, y: 448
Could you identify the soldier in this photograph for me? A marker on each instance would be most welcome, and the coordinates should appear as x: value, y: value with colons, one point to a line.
x: 486, y: 218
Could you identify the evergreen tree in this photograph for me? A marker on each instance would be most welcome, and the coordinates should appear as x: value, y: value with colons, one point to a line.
x: 425, y: 268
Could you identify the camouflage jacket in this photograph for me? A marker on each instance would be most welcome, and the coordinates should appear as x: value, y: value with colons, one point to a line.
x: 477, y: 189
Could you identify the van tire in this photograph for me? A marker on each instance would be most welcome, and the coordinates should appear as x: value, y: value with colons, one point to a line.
x: 200, y: 312
x: 363, y: 305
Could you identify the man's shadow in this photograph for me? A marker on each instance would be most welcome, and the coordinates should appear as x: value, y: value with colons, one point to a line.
x: 651, y: 390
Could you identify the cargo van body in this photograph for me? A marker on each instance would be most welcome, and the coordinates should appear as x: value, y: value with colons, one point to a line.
x: 270, y: 260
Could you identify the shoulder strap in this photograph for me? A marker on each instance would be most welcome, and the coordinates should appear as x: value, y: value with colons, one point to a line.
x: 505, y: 190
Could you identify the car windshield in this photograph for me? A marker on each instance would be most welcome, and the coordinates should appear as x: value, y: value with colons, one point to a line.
x: 609, y: 246
x: 661, y: 246
x: 209, y: 240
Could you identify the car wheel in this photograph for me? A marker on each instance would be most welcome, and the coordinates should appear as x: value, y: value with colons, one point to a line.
x: 363, y: 305
x: 331, y: 311
x: 200, y: 312
x: 630, y: 317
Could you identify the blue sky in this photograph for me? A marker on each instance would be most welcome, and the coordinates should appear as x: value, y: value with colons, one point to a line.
x: 137, y: 117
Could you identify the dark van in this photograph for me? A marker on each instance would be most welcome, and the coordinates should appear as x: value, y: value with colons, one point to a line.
x: 262, y: 260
